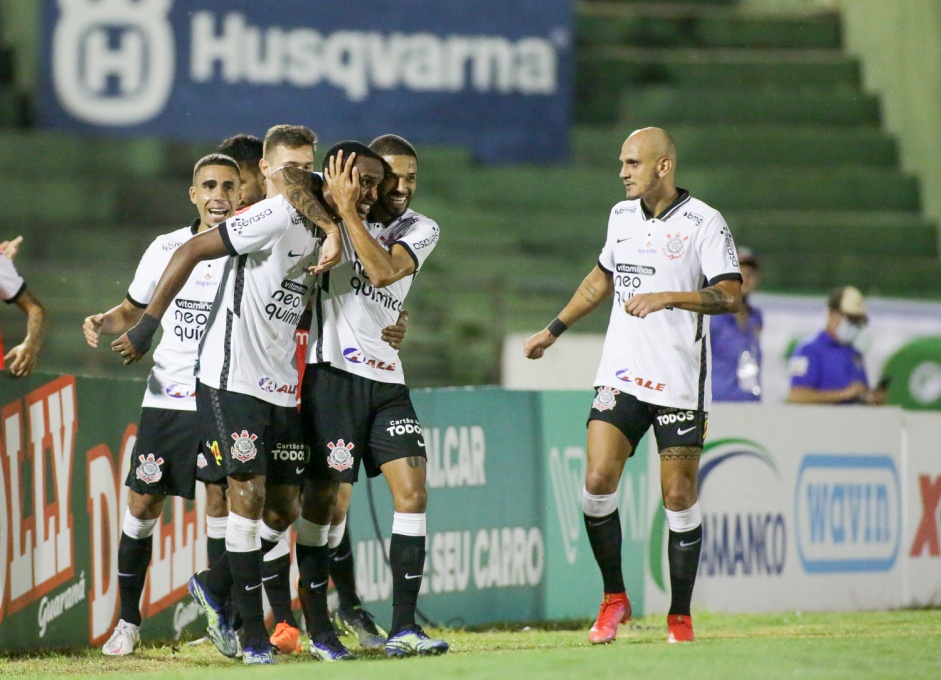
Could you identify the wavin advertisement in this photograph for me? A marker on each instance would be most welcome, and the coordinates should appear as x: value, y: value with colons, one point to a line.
x: 492, y: 75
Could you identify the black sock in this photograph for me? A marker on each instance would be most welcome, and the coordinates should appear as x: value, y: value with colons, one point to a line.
x: 407, y: 559
x: 604, y: 535
x: 218, y: 578
x: 343, y: 573
x: 313, y: 563
x: 276, y: 575
x: 133, y: 560
x: 683, y: 552
x: 246, y: 594
x: 214, y: 549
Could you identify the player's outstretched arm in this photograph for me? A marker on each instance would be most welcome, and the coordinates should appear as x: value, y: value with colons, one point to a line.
x: 383, y: 267
x: 720, y: 298
x: 116, y: 320
x: 22, y: 358
x: 133, y: 344
x: 593, y: 290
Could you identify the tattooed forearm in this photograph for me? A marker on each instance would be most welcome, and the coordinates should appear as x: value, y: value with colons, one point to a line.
x: 299, y: 192
x: 591, y: 293
x: 681, y: 453
x: 714, y: 301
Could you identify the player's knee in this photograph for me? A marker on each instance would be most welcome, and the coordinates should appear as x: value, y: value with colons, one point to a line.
x: 679, y: 497
x: 600, y: 482
x: 412, y: 499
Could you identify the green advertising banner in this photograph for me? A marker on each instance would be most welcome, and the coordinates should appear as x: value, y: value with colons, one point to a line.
x: 573, y: 588
x: 66, y: 441
x: 486, y: 546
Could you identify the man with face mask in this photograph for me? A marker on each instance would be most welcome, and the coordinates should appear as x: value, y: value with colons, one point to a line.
x: 828, y: 368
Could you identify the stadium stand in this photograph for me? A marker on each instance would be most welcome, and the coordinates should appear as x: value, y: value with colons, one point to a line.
x: 774, y: 126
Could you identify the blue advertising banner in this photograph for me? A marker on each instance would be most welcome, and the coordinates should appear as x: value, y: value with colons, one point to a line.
x: 494, y: 75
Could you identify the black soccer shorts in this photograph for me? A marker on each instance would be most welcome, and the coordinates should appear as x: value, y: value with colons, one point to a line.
x: 349, y: 420
x: 245, y: 435
x: 671, y: 426
x: 164, y: 459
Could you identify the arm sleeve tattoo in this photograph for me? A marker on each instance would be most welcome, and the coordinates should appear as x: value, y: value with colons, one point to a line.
x: 713, y: 301
x: 299, y: 191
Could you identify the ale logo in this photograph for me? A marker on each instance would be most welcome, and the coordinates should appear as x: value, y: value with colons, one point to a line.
x: 733, y: 544
x: 113, y: 60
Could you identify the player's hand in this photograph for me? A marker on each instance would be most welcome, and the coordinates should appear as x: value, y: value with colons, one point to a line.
x: 537, y: 344
x: 643, y: 304
x: 331, y: 252
x: 395, y: 334
x: 22, y: 359
x: 10, y: 248
x: 343, y: 181
x: 126, y: 349
x: 92, y: 329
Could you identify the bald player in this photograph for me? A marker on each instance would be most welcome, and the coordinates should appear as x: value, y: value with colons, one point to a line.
x: 668, y: 261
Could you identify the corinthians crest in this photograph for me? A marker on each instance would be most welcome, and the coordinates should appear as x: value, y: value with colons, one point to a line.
x: 675, y: 246
x: 605, y: 399
x: 244, y: 447
x: 149, y: 470
x: 340, y: 457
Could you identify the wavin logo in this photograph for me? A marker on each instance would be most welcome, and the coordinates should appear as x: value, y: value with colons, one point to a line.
x: 849, y: 513
x: 113, y: 60
x: 567, y: 472
x: 732, y: 544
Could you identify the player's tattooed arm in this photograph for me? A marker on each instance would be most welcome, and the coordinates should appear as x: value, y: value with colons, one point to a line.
x: 594, y: 289
x: 714, y: 301
x: 720, y: 298
x: 298, y: 186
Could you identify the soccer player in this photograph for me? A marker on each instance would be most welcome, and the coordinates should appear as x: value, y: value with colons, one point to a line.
x: 355, y: 404
x: 662, y: 245
x: 248, y: 151
x: 13, y: 290
x: 166, y: 460
x: 246, y: 375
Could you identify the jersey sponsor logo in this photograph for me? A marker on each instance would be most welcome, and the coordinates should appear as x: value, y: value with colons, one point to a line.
x: 636, y: 269
x: 403, y: 426
x: 626, y: 375
x: 244, y: 447
x: 626, y: 209
x: 377, y: 295
x: 287, y: 305
x: 690, y: 215
x: 675, y: 246
x: 215, y: 451
x: 290, y: 451
x: 357, y: 62
x: 730, y: 247
x: 340, y: 457
x: 189, y: 319
x: 201, y: 461
x: 238, y: 224
x: 294, y: 286
x: 270, y: 386
x: 676, y: 417
x: 605, y: 399
x: 178, y: 391
x: 149, y: 471
x: 424, y: 243
x: 355, y: 356
x: 113, y: 62
x: 173, y: 245
x: 291, y: 253
x: 648, y: 249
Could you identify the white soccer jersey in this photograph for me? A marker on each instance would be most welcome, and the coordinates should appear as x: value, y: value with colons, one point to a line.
x: 663, y: 359
x: 11, y: 283
x: 249, y: 342
x: 350, y: 313
x: 171, y: 383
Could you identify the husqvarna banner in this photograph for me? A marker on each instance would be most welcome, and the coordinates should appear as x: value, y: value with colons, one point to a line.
x: 494, y: 75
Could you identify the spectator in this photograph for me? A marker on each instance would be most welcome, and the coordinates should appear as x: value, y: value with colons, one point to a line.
x: 827, y: 368
x: 736, y: 351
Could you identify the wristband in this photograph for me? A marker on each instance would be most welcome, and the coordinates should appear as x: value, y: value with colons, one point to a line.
x: 557, y: 327
x: 142, y: 335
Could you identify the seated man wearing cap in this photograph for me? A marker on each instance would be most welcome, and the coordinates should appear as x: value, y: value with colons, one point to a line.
x: 827, y: 368
x: 736, y: 350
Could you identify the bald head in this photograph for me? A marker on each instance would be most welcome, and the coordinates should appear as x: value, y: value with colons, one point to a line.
x: 648, y: 161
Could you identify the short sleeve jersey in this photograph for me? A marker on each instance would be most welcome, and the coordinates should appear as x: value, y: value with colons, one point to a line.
x: 249, y: 342
x: 350, y: 313
x: 663, y: 359
x: 171, y: 383
x: 822, y: 363
x: 11, y: 283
